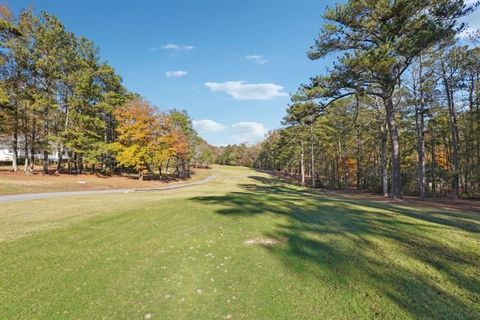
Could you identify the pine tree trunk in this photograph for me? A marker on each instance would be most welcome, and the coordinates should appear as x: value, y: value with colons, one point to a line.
x: 421, y: 156
x: 302, y: 164
x: 45, y: 161
x: 394, y: 140
x: 60, y: 158
x: 25, y: 146
x: 45, y: 148
x: 25, y: 133
x: 69, y: 162
x: 337, y: 167
x: 15, y: 150
x: 383, y: 160
x: 420, y: 130
x: 358, y: 160
x: 455, y: 138
x: 32, y: 149
x: 78, y: 163
x: 75, y: 163
x: 469, y: 139
x: 313, y: 157
x: 433, y: 169
x: 477, y: 127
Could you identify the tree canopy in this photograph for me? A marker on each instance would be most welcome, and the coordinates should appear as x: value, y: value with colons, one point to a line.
x: 59, y: 102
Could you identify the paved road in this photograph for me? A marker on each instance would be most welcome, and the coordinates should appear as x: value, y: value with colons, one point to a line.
x: 45, y: 195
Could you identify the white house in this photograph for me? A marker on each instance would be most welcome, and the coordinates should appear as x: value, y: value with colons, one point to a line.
x: 6, y: 151
x: 6, y: 155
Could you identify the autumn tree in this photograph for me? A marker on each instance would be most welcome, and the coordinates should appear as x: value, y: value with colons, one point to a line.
x: 184, y: 139
x: 137, y: 135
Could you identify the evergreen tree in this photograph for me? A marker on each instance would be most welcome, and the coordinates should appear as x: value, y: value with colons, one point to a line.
x: 377, y: 41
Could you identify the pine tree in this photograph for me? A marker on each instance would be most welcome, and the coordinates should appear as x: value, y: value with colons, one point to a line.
x: 378, y: 40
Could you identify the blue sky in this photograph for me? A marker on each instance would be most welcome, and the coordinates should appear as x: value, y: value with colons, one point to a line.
x: 230, y: 63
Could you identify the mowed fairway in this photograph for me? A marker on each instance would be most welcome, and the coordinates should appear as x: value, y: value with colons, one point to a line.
x: 244, y: 246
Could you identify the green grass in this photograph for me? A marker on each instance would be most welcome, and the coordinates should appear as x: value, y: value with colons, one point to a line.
x: 180, y: 254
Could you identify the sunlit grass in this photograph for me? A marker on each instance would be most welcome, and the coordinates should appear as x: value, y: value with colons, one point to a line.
x: 182, y: 254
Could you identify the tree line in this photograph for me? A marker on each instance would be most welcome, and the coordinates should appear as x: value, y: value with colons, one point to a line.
x: 398, y: 112
x: 56, y: 95
x: 236, y: 155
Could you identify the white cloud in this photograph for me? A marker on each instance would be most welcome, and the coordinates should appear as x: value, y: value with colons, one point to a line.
x: 175, y: 74
x: 256, y: 58
x: 177, y: 47
x: 248, y: 132
x: 242, y: 90
x: 468, y: 32
x: 207, y: 125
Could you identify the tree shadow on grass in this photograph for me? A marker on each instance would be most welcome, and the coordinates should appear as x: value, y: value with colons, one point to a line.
x: 426, y: 263
x: 468, y: 221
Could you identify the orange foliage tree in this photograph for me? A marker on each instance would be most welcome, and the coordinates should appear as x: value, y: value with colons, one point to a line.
x: 139, y: 130
x: 146, y: 138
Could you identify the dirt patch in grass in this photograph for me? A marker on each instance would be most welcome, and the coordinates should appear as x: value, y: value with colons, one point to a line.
x: 267, y: 242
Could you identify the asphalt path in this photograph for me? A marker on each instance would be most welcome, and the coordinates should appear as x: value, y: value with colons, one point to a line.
x: 46, y: 195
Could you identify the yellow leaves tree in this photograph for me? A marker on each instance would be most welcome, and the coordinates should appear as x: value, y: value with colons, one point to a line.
x: 147, y: 138
x: 164, y: 145
x: 138, y: 130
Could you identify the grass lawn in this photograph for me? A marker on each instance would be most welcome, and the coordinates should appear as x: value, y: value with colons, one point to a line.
x: 19, y: 183
x: 244, y: 246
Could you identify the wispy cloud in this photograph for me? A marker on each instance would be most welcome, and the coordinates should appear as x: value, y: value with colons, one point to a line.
x: 175, y: 47
x: 208, y: 125
x: 256, y: 58
x: 175, y: 74
x: 248, y: 132
x: 242, y: 90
